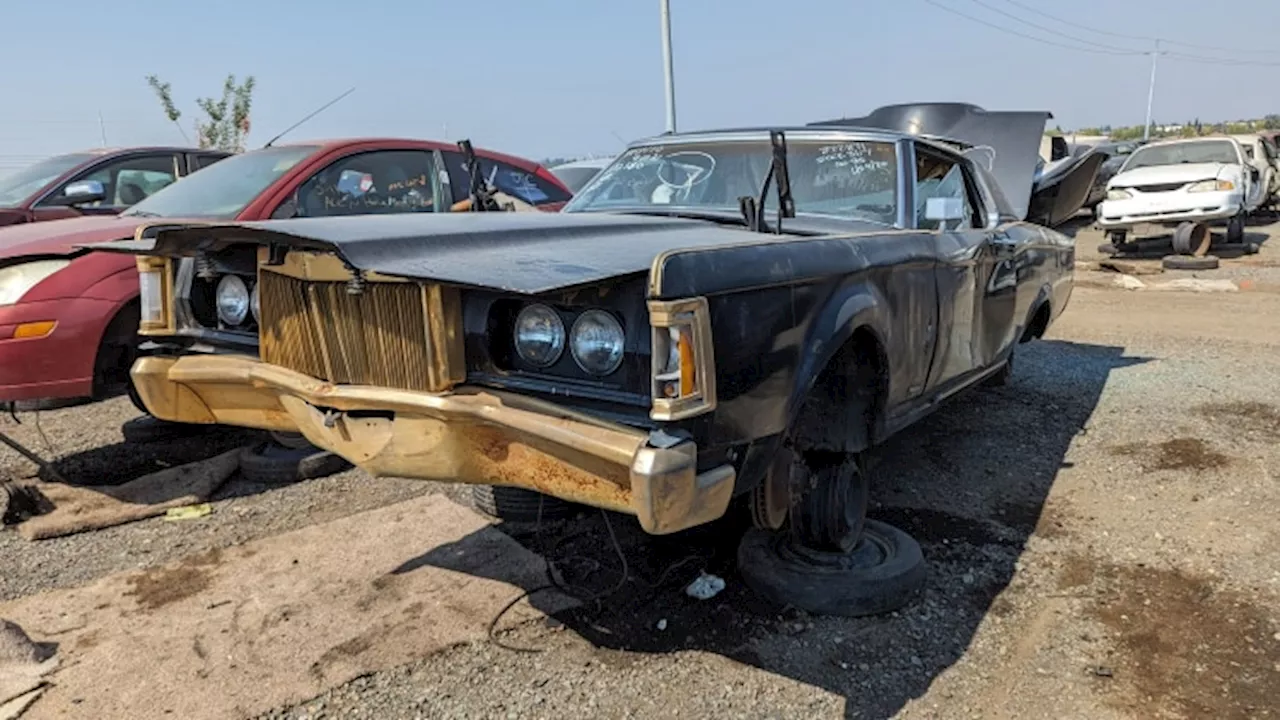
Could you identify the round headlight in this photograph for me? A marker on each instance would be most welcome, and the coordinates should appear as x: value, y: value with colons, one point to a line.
x: 253, y: 303
x: 539, y: 335
x: 596, y: 342
x: 233, y: 300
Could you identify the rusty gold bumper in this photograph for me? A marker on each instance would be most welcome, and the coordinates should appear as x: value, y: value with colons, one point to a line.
x: 468, y: 435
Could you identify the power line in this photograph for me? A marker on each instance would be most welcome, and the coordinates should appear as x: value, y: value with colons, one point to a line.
x: 1042, y: 28
x: 1127, y: 36
x: 1001, y: 28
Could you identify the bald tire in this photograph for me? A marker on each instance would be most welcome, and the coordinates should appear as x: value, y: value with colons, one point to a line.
x: 786, y: 578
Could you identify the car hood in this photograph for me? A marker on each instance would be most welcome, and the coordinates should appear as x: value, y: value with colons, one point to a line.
x: 529, y: 253
x: 61, y: 237
x: 1163, y: 174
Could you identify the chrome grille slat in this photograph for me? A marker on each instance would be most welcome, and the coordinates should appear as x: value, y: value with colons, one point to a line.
x: 377, y: 337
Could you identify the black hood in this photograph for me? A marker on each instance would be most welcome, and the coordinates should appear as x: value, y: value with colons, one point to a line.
x: 528, y: 253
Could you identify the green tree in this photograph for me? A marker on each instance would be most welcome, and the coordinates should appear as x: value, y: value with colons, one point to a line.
x: 226, y: 120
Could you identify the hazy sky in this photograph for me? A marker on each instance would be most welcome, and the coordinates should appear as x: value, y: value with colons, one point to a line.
x: 568, y: 77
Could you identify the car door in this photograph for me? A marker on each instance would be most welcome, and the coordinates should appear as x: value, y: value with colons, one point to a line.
x: 373, y: 182
x: 966, y: 267
x: 125, y: 182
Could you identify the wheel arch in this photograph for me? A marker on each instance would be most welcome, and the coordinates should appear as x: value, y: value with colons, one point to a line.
x: 1039, y: 317
x: 849, y: 345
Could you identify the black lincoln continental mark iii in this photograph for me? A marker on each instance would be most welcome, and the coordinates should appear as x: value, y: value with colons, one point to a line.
x: 717, y: 317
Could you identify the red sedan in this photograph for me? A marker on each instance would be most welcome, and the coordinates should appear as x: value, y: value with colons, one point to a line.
x: 95, y: 182
x: 68, y: 317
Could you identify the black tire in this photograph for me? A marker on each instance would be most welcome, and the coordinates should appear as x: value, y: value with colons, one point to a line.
x: 149, y: 429
x: 1189, y: 262
x: 1108, y: 249
x: 116, y: 353
x: 514, y: 504
x: 886, y: 572
x: 268, y: 463
x: 1235, y: 230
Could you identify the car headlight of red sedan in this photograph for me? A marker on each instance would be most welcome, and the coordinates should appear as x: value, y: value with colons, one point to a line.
x: 17, y: 280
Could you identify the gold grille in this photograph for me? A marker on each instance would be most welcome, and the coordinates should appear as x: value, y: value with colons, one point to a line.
x: 377, y: 337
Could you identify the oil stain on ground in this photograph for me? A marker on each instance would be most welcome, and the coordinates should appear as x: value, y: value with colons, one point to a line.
x: 161, y: 586
x: 1184, y: 644
x: 1247, y: 417
x: 1184, y: 453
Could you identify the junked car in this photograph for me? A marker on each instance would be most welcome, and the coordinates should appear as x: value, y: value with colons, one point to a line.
x: 95, y: 182
x: 717, y: 319
x: 1261, y: 153
x: 1205, y: 181
x: 69, y: 317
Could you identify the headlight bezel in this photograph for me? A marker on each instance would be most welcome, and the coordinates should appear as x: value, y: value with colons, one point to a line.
x: 23, y: 277
x: 559, y: 336
x: 619, y: 350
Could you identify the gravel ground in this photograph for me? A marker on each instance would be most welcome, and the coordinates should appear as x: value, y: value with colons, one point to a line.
x: 1099, y: 534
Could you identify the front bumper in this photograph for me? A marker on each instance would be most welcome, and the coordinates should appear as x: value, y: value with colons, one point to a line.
x: 469, y: 435
x: 57, y: 365
x: 1209, y: 207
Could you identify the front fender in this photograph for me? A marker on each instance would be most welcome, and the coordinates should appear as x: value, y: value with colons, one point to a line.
x: 855, y: 306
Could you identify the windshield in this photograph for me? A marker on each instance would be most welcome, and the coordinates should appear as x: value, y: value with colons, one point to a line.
x: 224, y: 188
x: 851, y: 179
x: 23, y: 184
x: 575, y: 177
x: 1199, y: 151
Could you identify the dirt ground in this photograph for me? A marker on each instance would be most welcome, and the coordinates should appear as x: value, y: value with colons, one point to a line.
x: 1100, y: 534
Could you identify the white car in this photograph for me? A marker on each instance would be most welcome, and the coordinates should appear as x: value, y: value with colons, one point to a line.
x: 1261, y: 153
x: 1167, y: 183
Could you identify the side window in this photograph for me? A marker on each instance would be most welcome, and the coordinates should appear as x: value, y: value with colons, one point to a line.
x: 199, y: 162
x: 512, y: 180
x: 130, y: 180
x: 938, y: 176
x: 373, y: 183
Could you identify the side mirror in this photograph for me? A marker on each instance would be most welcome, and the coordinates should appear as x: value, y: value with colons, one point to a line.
x: 82, y: 193
x: 944, y: 209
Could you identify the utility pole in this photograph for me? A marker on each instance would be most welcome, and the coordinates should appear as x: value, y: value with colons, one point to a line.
x: 1151, y: 92
x: 666, y: 62
x: 102, y: 128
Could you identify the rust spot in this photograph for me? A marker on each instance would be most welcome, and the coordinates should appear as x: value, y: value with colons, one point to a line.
x: 502, y: 461
x: 1181, y: 642
x: 1183, y: 453
x: 158, y: 587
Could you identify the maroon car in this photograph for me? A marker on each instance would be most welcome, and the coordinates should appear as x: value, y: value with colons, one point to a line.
x: 95, y: 182
x: 69, y: 317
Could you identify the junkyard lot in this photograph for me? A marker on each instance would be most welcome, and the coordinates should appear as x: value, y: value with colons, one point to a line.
x: 1100, y: 535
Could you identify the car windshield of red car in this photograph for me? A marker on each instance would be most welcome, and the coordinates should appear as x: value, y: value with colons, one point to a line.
x: 221, y: 190
x: 19, y: 186
x: 847, y: 179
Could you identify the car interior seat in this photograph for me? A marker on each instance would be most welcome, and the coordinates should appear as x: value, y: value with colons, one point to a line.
x: 131, y: 194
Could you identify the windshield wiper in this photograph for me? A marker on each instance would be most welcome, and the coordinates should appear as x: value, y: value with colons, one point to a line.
x: 752, y: 208
x: 140, y: 213
x: 480, y: 193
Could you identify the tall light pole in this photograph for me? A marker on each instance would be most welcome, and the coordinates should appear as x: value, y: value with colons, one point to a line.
x: 1151, y: 92
x: 666, y: 62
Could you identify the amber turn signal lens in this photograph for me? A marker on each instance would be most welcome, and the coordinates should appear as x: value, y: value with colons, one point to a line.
x: 688, y: 376
x: 35, y: 329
